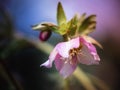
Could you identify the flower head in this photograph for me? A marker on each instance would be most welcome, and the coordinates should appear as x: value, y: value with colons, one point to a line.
x: 66, y: 55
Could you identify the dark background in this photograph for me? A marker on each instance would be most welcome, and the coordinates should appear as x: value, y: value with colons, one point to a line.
x: 19, y: 58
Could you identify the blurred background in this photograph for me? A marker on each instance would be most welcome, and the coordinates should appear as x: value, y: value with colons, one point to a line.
x: 21, y: 53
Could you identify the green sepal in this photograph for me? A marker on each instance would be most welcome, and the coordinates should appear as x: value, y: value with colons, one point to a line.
x: 61, y: 18
x: 63, y: 29
x: 39, y: 27
x: 45, y: 26
x: 75, y: 27
x: 72, y: 24
x: 88, y: 25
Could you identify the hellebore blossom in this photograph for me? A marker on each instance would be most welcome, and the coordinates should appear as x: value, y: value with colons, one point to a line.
x: 78, y: 47
x: 66, y: 55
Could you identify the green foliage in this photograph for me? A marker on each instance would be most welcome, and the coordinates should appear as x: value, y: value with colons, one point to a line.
x: 45, y: 26
x: 61, y: 18
x: 78, y: 25
x: 73, y: 25
x: 88, y: 25
x: 63, y: 29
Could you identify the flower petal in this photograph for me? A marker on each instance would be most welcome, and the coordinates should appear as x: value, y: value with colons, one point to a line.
x: 52, y: 57
x: 67, y: 69
x: 58, y: 62
x: 93, y: 41
x: 64, y: 47
x: 88, y: 54
x: 46, y: 64
x: 64, y: 66
x: 88, y: 45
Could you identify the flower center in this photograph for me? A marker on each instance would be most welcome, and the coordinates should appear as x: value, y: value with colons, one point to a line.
x: 75, y: 51
x: 73, y: 54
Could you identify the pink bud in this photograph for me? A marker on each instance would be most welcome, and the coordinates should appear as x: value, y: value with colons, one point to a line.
x: 44, y: 35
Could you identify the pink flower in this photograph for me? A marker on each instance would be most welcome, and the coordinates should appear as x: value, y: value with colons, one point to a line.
x: 66, y: 55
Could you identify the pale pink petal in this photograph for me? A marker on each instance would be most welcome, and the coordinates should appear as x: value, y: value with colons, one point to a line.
x: 58, y: 62
x: 89, y: 45
x: 64, y: 47
x: 52, y: 57
x: 91, y: 49
x: 67, y: 69
x: 88, y: 54
x: 64, y: 66
x: 86, y: 58
x: 53, y: 54
x: 46, y: 64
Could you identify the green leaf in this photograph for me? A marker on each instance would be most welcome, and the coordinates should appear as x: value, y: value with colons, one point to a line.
x: 61, y: 18
x: 88, y: 25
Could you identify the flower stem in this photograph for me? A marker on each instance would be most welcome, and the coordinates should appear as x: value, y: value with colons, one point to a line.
x: 66, y: 86
x: 98, y: 82
x: 66, y: 38
x: 83, y: 79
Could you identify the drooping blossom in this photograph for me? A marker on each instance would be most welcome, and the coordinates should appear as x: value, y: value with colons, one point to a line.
x: 66, y: 55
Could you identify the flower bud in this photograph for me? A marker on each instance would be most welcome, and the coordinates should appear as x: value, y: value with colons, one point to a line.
x: 44, y: 35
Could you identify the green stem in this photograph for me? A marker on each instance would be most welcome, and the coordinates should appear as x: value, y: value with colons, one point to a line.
x: 83, y: 79
x: 98, y: 82
x: 66, y: 84
x: 66, y: 37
